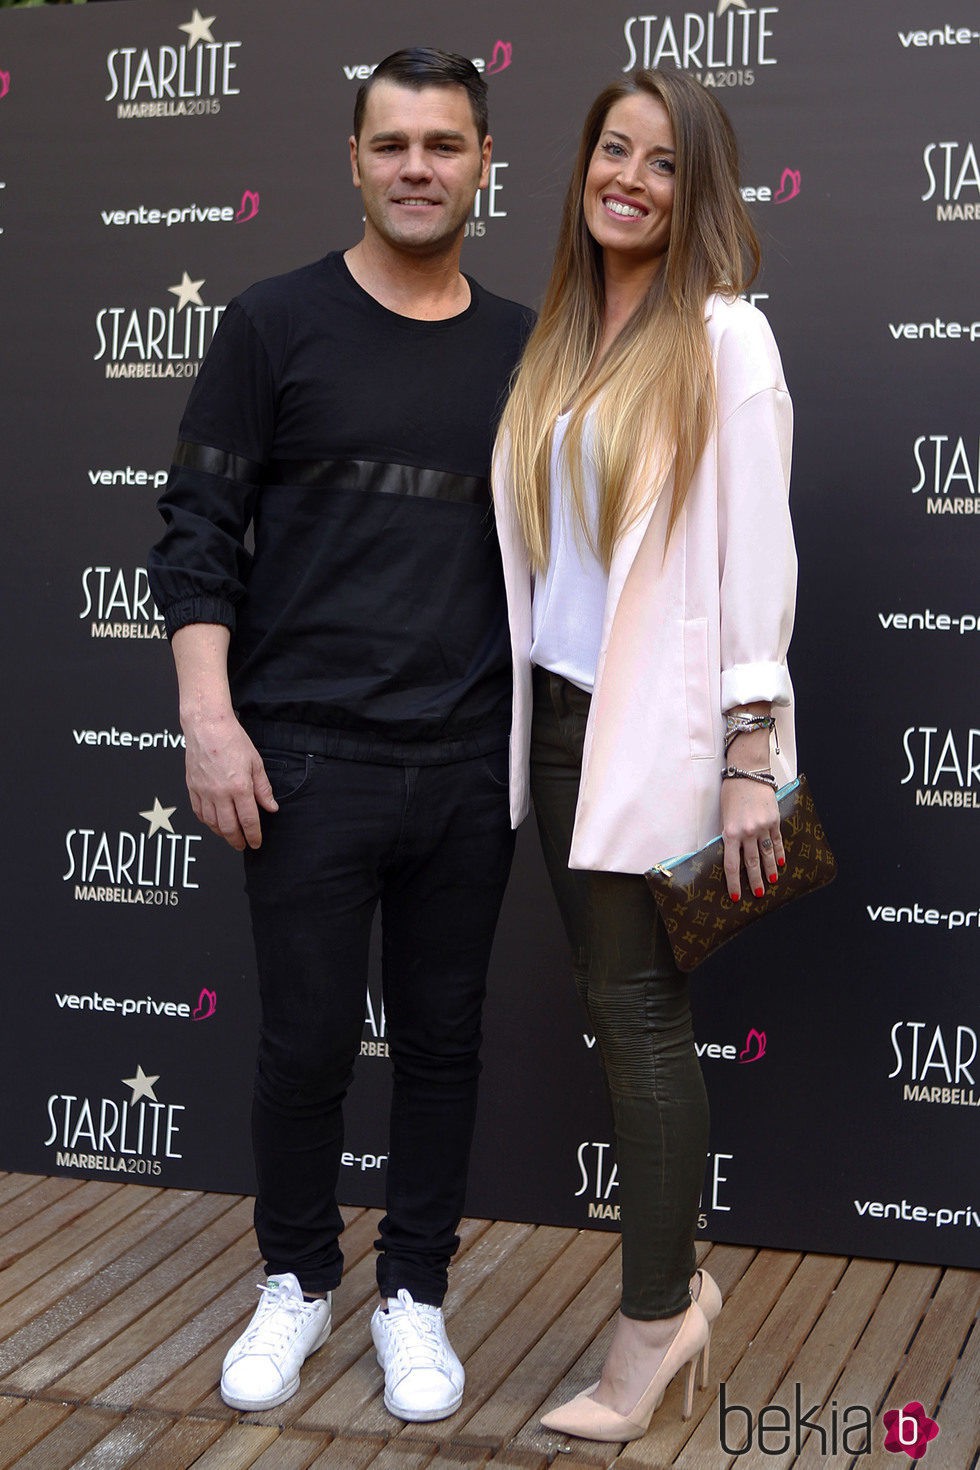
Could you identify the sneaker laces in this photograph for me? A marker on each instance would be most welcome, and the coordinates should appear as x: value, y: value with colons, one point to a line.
x: 278, y: 1320
x: 415, y: 1335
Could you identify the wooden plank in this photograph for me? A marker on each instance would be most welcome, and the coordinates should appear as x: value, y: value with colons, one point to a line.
x: 71, y: 1286
x: 816, y: 1367
x: 878, y: 1355
x: 146, y: 1324
x: 932, y: 1358
x: 50, y: 1316
x: 13, y: 1184
x: 126, y: 1444
x: 959, y: 1413
x: 181, y: 1445
x: 24, y: 1204
x: 10, y: 1405
x: 52, y: 1253
x: 348, y: 1454
x: 291, y: 1451
x: 519, y: 1396
x: 158, y: 1267
x: 451, y: 1457
x: 238, y: 1448
x: 65, y: 1444
x: 22, y: 1430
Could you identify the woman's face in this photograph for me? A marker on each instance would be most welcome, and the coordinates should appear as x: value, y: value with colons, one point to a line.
x: 629, y: 188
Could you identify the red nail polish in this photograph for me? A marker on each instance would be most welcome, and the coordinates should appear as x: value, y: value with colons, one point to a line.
x: 773, y: 877
x: 759, y: 892
x: 780, y: 862
x: 734, y: 897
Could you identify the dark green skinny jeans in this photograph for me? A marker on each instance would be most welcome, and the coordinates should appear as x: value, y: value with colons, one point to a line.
x: 637, y: 1004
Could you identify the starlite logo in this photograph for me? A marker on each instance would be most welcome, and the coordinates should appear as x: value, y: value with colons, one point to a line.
x: 949, y: 471
x: 187, y: 214
x: 953, y: 180
x: 374, y: 1040
x: 935, y: 1064
x: 151, y: 868
x: 599, y: 1182
x: 186, y: 80
x: 154, y: 341
x: 103, y: 1135
x: 944, y: 766
x: 119, y: 603
x: 721, y: 47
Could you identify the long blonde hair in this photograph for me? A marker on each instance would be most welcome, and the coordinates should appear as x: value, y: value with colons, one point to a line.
x: 652, y: 396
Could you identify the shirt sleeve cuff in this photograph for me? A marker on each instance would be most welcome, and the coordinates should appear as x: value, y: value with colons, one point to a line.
x: 751, y: 683
x: 198, y: 610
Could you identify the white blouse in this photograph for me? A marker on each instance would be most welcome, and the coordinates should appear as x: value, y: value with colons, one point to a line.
x: 568, y: 602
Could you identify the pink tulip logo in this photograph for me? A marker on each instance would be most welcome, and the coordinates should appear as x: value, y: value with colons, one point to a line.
x: 755, y: 1046
x: 789, y: 186
x: 207, y: 1004
x: 4, y: 83
x: 249, y: 206
x: 909, y: 1430
x: 501, y: 58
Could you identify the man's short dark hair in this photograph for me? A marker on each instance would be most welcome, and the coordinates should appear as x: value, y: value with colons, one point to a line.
x: 423, y: 66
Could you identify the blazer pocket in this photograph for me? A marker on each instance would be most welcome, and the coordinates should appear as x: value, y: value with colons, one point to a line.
x: 701, y: 724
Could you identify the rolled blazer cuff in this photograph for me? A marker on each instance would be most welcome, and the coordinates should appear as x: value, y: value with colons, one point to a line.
x: 749, y: 683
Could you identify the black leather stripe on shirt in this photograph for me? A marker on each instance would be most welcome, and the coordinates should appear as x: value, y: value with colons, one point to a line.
x: 379, y: 476
x: 217, y: 462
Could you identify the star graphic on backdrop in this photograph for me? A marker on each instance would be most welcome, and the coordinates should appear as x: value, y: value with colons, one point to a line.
x: 188, y: 292
x: 198, y: 28
x: 722, y: 6
x: 142, y: 1085
x: 159, y: 817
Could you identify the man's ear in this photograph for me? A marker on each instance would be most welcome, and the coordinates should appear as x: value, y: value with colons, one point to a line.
x: 355, y: 174
x: 486, y: 153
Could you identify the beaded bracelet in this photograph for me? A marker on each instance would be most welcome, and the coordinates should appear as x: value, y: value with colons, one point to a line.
x: 732, y: 773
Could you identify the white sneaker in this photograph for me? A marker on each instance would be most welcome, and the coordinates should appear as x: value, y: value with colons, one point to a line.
x: 423, y: 1376
x: 261, y: 1369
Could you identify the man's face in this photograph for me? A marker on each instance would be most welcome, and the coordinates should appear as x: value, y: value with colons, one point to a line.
x: 418, y: 164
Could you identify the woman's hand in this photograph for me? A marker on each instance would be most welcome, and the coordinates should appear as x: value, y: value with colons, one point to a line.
x: 750, y: 827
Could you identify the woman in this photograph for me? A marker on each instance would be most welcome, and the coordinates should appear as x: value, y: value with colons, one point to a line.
x: 641, y: 479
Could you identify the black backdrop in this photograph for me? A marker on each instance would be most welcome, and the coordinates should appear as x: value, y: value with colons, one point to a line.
x: 146, y: 147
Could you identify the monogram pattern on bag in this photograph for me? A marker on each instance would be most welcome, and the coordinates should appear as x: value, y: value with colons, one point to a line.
x: 693, y: 900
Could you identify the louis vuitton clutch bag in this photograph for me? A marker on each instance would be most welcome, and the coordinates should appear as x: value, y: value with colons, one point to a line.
x: 691, y: 891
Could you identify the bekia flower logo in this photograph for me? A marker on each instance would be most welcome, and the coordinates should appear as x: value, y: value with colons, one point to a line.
x: 500, y: 60
x: 909, y: 1430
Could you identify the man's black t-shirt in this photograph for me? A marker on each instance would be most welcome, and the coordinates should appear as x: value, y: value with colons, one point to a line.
x: 369, y: 619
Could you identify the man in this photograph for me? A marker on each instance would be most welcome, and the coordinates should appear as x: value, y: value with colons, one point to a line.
x: 345, y: 697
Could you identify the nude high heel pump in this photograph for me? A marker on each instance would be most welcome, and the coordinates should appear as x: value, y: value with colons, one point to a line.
x: 709, y: 1300
x: 586, y: 1419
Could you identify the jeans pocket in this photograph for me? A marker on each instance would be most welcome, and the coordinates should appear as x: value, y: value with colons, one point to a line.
x: 497, y: 767
x: 287, y: 771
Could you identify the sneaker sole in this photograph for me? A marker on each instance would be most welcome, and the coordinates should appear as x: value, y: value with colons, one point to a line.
x: 424, y: 1416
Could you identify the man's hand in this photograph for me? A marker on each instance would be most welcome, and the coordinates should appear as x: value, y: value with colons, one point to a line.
x: 227, y: 781
x: 225, y: 775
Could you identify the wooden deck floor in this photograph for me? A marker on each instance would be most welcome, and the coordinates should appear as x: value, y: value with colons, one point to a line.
x: 117, y: 1303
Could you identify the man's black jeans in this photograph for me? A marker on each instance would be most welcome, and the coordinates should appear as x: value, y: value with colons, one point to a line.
x: 433, y: 845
